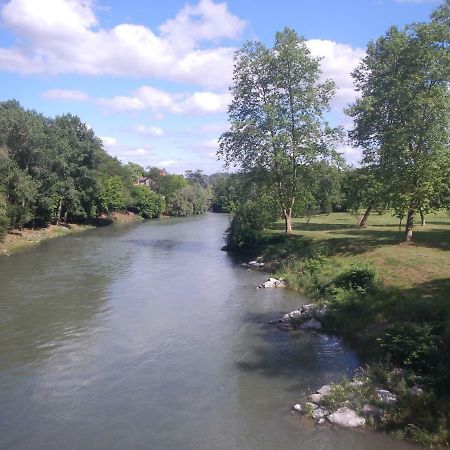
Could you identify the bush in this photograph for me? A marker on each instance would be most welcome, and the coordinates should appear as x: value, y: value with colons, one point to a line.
x: 147, y: 203
x: 4, y: 220
x: 360, y: 278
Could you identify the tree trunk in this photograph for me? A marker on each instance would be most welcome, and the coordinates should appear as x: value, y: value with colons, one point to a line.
x: 363, y: 221
x: 422, y: 217
x: 58, y: 215
x: 288, y: 220
x: 409, y: 225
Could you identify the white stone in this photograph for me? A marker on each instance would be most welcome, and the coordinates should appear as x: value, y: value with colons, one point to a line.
x: 321, y: 421
x: 324, y: 390
x: 386, y: 396
x: 345, y: 417
x: 415, y: 390
x: 315, y: 398
x: 298, y: 407
x: 319, y: 413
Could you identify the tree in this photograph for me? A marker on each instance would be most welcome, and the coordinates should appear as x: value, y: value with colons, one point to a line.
x: 276, y: 116
x: 111, y: 196
x: 147, y: 203
x: 190, y: 199
x: 402, y: 118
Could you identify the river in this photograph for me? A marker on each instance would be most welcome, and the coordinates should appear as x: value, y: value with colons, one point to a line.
x: 147, y: 336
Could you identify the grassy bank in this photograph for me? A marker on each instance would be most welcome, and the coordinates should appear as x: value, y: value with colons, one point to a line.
x: 19, y: 240
x: 390, y: 300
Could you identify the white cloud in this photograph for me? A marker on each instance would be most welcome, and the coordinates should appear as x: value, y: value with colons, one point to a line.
x: 211, y: 144
x: 339, y: 60
x: 108, y: 141
x: 148, y: 98
x: 351, y: 154
x: 166, y: 163
x: 146, y: 130
x: 65, y: 95
x: 206, y: 21
x: 58, y: 37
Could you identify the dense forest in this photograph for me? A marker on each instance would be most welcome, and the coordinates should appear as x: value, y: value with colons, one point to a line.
x: 55, y: 170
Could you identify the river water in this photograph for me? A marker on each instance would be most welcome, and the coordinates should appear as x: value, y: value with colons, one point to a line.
x: 147, y: 336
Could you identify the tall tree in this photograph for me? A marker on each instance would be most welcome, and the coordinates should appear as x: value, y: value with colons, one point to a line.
x: 276, y: 116
x: 402, y: 118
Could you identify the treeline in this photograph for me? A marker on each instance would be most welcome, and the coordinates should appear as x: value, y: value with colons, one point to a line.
x: 55, y: 170
x: 287, y: 154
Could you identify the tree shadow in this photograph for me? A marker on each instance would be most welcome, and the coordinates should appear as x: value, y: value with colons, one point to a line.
x: 300, y: 354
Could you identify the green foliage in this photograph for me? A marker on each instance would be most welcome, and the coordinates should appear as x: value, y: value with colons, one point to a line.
x: 402, y: 117
x: 225, y: 194
x: 147, y: 203
x: 4, y: 219
x: 188, y: 200
x: 412, y: 345
x: 276, y: 119
x: 111, y: 195
x: 251, y: 217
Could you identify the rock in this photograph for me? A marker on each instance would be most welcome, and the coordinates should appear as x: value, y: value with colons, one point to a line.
x: 315, y: 398
x: 371, y: 411
x: 356, y: 383
x: 311, y: 406
x: 385, y: 396
x: 273, y: 283
x: 285, y: 326
x: 311, y: 324
x: 324, y: 390
x: 319, y: 413
x: 415, y: 390
x: 256, y: 263
x: 298, y: 407
x: 321, y: 421
x: 346, y: 417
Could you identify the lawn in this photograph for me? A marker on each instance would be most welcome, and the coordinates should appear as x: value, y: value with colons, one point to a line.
x: 423, y: 266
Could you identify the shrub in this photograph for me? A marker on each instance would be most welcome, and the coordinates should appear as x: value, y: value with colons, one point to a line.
x: 147, y: 203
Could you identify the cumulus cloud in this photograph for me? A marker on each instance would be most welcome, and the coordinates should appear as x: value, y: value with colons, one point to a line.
x: 148, y: 98
x: 65, y: 95
x: 146, y: 130
x: 57, y: 37
x: 339, y: 60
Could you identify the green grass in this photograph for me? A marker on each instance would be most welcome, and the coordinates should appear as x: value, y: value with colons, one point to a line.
x: 424, y: 265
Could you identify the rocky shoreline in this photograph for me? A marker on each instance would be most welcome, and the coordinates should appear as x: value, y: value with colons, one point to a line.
x: 358, y: 402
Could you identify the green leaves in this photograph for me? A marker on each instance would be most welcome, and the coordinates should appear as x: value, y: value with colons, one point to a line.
x: 276, y: 115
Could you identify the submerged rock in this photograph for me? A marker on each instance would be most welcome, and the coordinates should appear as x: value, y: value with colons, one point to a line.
x: 346, y: 417
x: 311, y: 324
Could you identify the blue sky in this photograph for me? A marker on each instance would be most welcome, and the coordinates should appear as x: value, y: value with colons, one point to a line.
x: 152, y: 77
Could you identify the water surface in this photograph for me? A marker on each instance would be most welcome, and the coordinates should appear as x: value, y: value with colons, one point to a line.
x: 147, y: 336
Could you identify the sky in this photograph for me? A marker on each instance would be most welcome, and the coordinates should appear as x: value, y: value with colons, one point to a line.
x: 152, y: 77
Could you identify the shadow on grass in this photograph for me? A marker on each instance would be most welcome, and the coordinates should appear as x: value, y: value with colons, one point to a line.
x: 314, y: 226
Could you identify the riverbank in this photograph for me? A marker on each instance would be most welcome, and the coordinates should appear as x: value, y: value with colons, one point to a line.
x: 388, y: 299
x: 19, y: 240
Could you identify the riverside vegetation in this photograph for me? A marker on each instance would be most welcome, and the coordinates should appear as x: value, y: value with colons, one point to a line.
x: 54, y: 171
x: 346, y: 236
